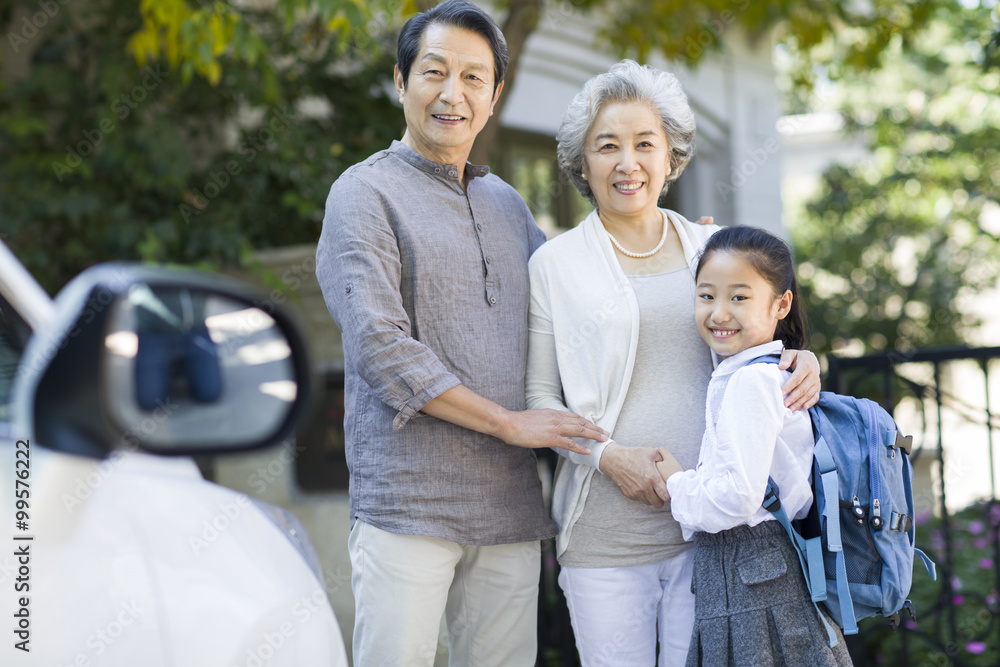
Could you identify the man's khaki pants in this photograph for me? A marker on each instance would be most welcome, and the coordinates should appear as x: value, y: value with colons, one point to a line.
x: 403, y: 584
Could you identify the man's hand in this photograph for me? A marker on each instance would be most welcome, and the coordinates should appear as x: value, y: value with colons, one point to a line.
x: 802, y: 388
x: 706, y: 220
x: 667, y: 467
x: 633, y: 470
x: 533, y: 429
x: 548, y: 428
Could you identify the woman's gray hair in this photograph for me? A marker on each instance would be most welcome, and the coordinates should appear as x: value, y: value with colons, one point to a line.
x: 627, y: 81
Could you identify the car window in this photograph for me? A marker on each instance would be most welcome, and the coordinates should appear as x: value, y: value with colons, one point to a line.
x: 14, y: 334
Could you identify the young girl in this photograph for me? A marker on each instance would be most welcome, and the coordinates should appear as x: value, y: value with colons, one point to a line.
x: 752, y: 607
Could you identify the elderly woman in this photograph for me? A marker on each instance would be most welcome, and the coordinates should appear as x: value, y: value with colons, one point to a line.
x: 613, y: 338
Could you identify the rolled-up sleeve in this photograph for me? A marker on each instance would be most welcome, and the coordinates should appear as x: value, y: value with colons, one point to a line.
x: 359, y: 270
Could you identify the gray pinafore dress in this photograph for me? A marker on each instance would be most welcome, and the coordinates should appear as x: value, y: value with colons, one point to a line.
x: 752, y: 607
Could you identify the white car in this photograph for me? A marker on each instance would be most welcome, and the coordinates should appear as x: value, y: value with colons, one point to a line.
x: 114, y: 551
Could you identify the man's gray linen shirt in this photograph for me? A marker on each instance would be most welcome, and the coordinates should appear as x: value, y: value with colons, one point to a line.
x: 428, y: 283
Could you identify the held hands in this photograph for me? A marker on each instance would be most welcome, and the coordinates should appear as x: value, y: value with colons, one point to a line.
x: 802, y: 388
x: 633, y: 470
x: 667, y: 467
x: 535, y: 429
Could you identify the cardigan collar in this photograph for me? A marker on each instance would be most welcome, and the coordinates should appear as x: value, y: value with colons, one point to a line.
x: 597, y: 237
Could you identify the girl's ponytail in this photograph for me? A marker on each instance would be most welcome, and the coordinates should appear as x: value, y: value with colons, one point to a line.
x: 792, y: 329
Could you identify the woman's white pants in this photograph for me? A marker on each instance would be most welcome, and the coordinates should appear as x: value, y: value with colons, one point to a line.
x: 619, y: 612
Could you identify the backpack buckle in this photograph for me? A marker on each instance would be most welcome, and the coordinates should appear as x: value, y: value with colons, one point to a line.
x: 772, y: 503
x: 901, y: 523
x: 894, y: 619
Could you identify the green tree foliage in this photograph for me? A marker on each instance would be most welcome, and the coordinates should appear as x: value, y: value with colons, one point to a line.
x: 180, y: 130
x: 893, y: 249
x: 221, y: 137
x: 685, y: 31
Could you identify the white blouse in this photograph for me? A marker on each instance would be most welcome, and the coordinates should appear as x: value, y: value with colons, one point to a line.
x: 749, y: 435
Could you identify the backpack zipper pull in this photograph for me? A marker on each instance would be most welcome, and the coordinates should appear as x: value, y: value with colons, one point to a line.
x: 858, y: 511
x: 876, y: 515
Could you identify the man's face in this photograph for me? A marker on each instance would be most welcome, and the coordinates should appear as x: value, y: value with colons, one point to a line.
x: 449, y: 95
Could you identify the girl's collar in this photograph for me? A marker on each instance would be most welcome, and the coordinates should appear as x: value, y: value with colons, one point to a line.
x: 741, y: 359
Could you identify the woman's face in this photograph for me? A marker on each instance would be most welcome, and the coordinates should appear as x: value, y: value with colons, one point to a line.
x: 626, y: 160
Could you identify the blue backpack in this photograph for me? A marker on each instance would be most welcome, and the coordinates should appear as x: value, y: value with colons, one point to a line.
x: 856, y: 546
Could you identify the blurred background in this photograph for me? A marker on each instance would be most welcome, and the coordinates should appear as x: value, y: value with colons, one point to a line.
x: 866, y: 132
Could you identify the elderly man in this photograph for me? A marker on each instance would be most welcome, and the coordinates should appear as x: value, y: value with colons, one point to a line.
x: 423, y: 264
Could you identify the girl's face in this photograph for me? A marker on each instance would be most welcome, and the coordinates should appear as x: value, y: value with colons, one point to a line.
x: 735, y: 308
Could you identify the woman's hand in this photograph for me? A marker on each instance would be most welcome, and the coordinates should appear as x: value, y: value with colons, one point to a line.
x: 633, y: 470
x: 802, y: 388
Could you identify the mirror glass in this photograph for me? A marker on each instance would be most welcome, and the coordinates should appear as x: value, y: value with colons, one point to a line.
x: 186, y: 368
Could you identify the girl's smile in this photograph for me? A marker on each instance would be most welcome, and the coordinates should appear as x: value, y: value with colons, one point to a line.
x: 735, y: 307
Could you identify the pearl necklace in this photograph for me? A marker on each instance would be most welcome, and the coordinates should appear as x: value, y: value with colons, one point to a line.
x: 640, y: 255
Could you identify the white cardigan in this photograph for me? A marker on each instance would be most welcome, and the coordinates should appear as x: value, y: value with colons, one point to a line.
x: 583, y: 326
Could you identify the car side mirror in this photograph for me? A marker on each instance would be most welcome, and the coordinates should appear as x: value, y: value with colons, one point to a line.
x: 168, y: 361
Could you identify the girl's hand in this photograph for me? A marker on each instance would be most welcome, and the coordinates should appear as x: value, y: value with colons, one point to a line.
x: 633, y: 470
x: 667, y: 467
x: 802, y: 388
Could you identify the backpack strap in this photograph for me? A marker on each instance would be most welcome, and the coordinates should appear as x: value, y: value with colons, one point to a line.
x: 928, y: 563
x: 765, y: 359
x: 810, y: 553
x: 829, y: 485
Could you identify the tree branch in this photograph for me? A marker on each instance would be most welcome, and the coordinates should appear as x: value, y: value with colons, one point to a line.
x: 521, y: 22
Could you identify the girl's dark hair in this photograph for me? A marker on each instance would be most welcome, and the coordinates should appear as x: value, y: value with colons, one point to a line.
x: 772, y: 259
x: 459, y: 14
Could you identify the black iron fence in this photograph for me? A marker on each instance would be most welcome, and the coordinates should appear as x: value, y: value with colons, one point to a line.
x: 942, y: 397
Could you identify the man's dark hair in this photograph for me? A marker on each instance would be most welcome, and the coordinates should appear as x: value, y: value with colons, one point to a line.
x: 460, y: 14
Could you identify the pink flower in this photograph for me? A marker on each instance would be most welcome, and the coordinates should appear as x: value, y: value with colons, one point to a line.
x: 976, y: 527
x: 976, y: 648
x: 986, y: 563
x: 956, y: 600
x: 979, y: 543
